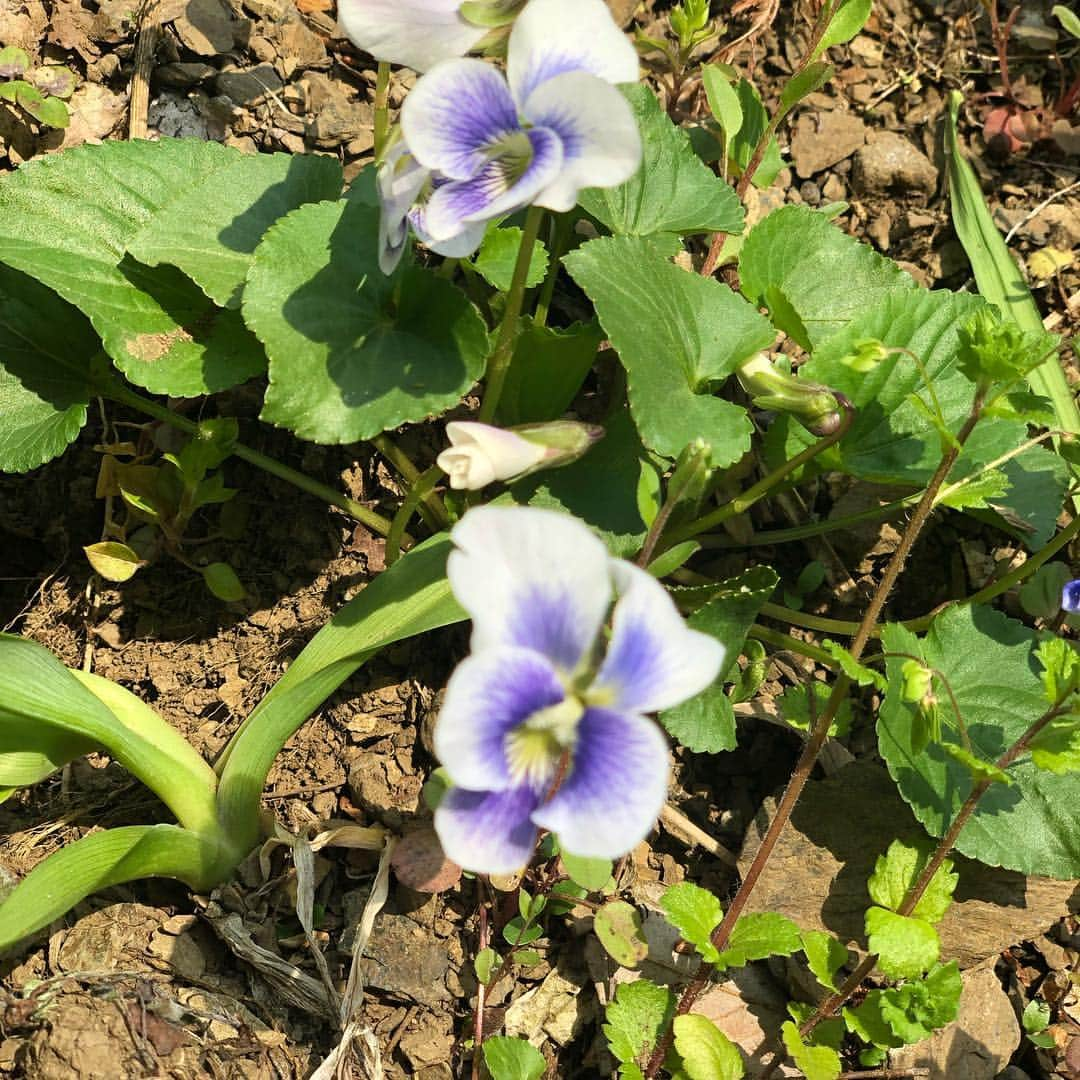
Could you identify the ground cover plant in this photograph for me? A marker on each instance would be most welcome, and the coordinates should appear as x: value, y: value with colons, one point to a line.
x: 545, y: 285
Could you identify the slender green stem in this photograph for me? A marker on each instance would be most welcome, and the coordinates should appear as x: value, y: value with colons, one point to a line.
x: 780, y: 640
x: 766, y: 483
x: 420, y: 490
x: 499, y: 362
x: 116, y: 391
x: 411, y: 475
x: 382, y: 109
x: 809, y: 622
x: 560, y: 230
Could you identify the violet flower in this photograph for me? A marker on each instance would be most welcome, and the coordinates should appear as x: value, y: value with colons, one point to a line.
x: 1070, y: 597
x: 537, y: 730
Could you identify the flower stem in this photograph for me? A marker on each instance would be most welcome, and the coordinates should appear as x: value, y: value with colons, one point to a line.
x: 499, y: 362
x: 420, y: 490
x: 820, y: 729
x: 411, y: 475
x: 766, y: 483
x: 559, y: 233
x: 781, y: 640
x: 382, y: 109
x: 117, y: 391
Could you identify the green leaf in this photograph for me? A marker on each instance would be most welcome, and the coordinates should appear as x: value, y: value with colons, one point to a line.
x: 45, y: 386
x: 1057, y: 747
x: 915, y: 1010
x: 679, y: 336
x: 353, y: 352
x: 813, y: 77
x: 50, y: 111
x: 1060, y: 663
x: 695, y: 913
x: 1040, y: 597
x: 759, y: 936
x: 706, y: 723
x: 795, y: 708
x: 755, y: 121
x: 897, y: 871
x: 413, y: 596
x: 112, y: 560
x: 815, y: 1062
x: 591, y: 874
x: 1068, y: 19
x: 979, y: 769
x: 858, y: 673
x: 66, y: 220
x: 673, y: 192
x: 706, y: 1052
x: 13, y: 61
x: 618, y: 926
x: 637, y: 1019
x: 1035, y: 1017
x: 848, y: 19
x: 54, y: 80
x: 102, y: 860
x: 222, y: 581
x: 988, y: 661
x: 905, y: 946
x: 498, y: 255
x: 1038, y: 481
x: 486, y: 963
x: 825, y: 956
x: 211, y: 231
x: 547, y: 370
x: 977, y: 493
x: 518, y: 932
x: 723, y: 100
x: 513, y: 1059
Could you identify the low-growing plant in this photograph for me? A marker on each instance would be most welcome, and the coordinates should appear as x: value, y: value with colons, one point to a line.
x: 38, y: 92
x: 132, y: 271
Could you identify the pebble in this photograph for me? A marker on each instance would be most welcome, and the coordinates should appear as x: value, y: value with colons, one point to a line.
x: 810, y: 192
x: 889, y: 163
x: 246, y: 86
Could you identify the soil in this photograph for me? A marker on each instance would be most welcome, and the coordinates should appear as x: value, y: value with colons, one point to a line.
x: 135, y: 982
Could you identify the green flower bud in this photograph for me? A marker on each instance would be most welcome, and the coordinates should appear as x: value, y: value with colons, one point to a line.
x: 816, y: 407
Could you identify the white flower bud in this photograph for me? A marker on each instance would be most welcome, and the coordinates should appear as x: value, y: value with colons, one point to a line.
x: 480, y: 454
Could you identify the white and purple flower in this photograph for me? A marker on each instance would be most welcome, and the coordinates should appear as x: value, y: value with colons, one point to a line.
x: 1070, y: 597
x: 538, y: 731
x: 482, y: 144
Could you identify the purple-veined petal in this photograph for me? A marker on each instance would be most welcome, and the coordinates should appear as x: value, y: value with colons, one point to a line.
x: 599, y: 135
x: 495, y: 190
x: 488, y: 832
x: 400, y: 180
x: 654, y: 660
x: 551, y: 37
x: 530, y: 577
x: 615, y: 789
x: 488, y: 695
x: 1070, y: 597
x: 455, y: 113
x: 416, y: 33
x: 458, y: 246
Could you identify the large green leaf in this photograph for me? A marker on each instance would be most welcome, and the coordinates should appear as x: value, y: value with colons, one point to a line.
x: 679, y: 336
x: 673, y: 192
x: 1030, y: 825
x: 211, y: 231
x: 413, y: 596
x: 45, y: 352
x: 36, y: 689
x: 66, y: 220
x: 812, y: 277
x: 104, y: 859
x: 353, y: 352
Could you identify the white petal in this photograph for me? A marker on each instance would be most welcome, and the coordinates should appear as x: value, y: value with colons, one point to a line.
x: 654, y: 660
x: 468, y: 468
x: 530, y: 577
x: 508, y: 453
x: 416, y: 33
x: 488, y: 832
x: 461, y: 245
x: 400, y: 180
x: 453, y: 114
x: 551, y: 37
x: 600, y: 137
x: 615, y: 789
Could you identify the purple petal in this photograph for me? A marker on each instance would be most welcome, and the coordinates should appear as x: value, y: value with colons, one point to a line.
x: 654, y: 660
x: 400, y: 180
x: 551, y: 37
x: 534, y: 578
x: 487, y: 696
x: 596, y: 127
x: 455, y: 113
x: 416, y: 33
x: 1070, y: 596
x: 615, y: 789
x: 494, y: 191
x: 488, y: 832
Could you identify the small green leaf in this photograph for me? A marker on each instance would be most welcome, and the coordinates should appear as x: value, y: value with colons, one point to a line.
x: 1040, y: 597
x: 813, y: 77
x: 825, y: 956
x: 486, y: 963
x: 723, y: 100
x: 498, y: 255
x: 618, y: 926
x: 741, y: 147
x: 1068, y: 19
x: 899, y: 869
x: 815, y: 1062
x: 858, y: 673
x: 112, y: 560
x: 670, y: 561
x: 706, y: 1052
x: 513, y: 1059
x: 531, y: 907
x: 795, y: 708
x: 979, y: 769
x: 516, y: 932
x: 222, y: 581
x: 916, y: 1009
x: 695, y: 913
x: 759, y: 936
x: 55, y: 80
x: 13, y: 62
x: 527, y: 958
x: 979, y: 492
x: 905, y: 946
x: 1036, y: 1017
x: 1057, y: 747
x: 591, y: 874
x: 848, y: 19
x: 50, y: 111
x: 1060, y: 661
x: 637, y: 1019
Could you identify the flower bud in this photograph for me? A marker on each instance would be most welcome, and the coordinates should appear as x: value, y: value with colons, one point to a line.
x: 816, y: 407
x: 480, y: 454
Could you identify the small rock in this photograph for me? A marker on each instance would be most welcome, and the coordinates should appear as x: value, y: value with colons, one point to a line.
x: 404, y: 958
x: 1063, y: 222
x: 822, y: 139
x: 833, y: 189
x: 977, y: 1045
x: 869, y: 50
x: 247, y: 86
x: 810, y: 192
x: 888, y: 162
x: 428, y: 1042
x: 623, y: 10
x: 274, y: 10
x: 207, y: 27
x: 878, y: 230
x: 182, y: 75
x: 914, y: 220
x: 296, y: 46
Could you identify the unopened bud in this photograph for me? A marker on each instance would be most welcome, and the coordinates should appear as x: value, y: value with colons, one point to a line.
x: 815, y: 406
